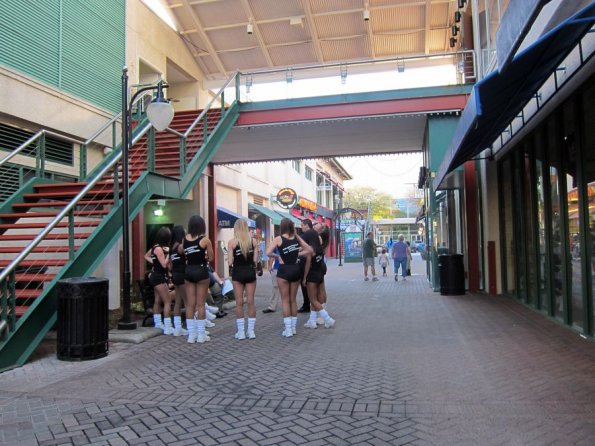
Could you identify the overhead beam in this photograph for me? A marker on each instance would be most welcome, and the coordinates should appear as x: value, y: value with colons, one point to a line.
x: 203, y: 35
x: 313, y: 31
x: 257, y: 34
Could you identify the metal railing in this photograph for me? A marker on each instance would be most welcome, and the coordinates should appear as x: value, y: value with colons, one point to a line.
x: 56, y: 235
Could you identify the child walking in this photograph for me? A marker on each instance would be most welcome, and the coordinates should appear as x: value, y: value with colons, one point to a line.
x: 383, y: 261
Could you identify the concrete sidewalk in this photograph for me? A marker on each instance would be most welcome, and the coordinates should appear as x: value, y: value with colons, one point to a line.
x: 404, y: 365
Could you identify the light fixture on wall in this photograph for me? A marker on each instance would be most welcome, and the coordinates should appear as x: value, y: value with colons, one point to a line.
x: 366, y: 13
x: 158, y: 212
x: 453, y: 42
x: 289, y: 76
x: 343, y: 74
x: 250, y: 27
x: 458, y: 16
x: 455, y: 30
x: 462, y: 3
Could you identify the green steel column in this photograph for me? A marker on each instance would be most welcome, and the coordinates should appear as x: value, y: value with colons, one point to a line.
x: 433, y: 256
x: 182, y: 156
x: 71, y: 234
x: 151, y: 150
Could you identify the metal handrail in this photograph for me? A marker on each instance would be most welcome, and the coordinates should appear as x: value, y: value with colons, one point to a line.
x: 219, y: 93
x: 34, y: 138
x: 110, y: 122
x: 359, y: 62
x: 51, y: 225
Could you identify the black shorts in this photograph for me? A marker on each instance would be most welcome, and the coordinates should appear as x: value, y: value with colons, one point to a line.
x: 178, y: 277
x: 291, y: 273
x: 243, y: 274
x: 196, y: 273
x: 157, y: 279
x: 324, y: 268
x: 315, y: 276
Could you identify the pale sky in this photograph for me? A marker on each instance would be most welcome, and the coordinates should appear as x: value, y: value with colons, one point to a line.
x: 395, y: 175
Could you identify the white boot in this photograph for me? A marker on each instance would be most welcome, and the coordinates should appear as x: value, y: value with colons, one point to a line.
x: 312, y: 321
x: 157, y: 322
x: 191, y: 324
x: 178, y: 329
x: 288, y: 332
x: 201, y: 335
x: 329, y: 322
x: 240, y: 326
x: 167, y: 328
x: 250, y: 332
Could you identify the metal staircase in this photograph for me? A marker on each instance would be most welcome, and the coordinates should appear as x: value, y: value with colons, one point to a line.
x: 52, y: 230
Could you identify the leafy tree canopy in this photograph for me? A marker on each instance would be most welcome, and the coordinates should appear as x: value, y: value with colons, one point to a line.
x: 381, y: 204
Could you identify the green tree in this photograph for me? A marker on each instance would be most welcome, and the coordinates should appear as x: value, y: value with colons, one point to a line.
x: 381, y: 204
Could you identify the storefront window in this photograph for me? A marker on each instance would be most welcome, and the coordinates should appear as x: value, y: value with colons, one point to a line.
x: 542, y: 262
x: 556, y: 257
x: 571, y: 156
x: 529, y: 240
x: 508, y: 248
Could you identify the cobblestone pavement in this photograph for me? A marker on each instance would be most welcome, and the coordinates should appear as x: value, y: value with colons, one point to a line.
x: 403, y: 366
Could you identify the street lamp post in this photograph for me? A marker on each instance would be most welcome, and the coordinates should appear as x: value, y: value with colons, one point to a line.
x: 340, y: 244
x: 160, y: 114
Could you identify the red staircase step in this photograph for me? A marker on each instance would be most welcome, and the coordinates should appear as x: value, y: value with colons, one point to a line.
x: 79, y: 224
x: 28, y: 293
x: 17, y: 237
x: 37, y: 249
x: 60, y: 204
x: 27, y: 277
x: 41, y: 262
x: 91, y: 213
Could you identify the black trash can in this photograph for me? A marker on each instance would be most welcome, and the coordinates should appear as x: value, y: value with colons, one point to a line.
x: 83, y: 320
x: 452, y: 274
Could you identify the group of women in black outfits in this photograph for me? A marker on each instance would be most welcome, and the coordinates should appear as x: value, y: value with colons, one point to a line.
x: 188, y: 255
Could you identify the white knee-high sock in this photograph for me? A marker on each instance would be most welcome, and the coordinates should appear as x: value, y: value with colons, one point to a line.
x: 200, y: 327
x: 240, y: 325
x: 157, y: 322
x: 177, y: 322
x: 313, y: 316
x: 251, y: 324
x: 324, y: 314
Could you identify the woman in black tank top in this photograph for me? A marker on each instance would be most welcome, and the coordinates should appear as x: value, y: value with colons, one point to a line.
x: 242, y: 259
x: 290, y: 247
x: 177, y: 264
x: 198, y: 251
x: 158, y: 256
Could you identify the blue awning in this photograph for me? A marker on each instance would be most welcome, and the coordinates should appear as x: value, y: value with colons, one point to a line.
x: 266, y: 211
x: 227, y: 218
x: 498, y: 98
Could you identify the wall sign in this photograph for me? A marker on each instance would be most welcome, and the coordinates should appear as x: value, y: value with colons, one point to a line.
x: 307, y: 204
x: 287, y: 198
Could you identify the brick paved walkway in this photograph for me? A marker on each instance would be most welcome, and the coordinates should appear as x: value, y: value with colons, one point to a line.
x: 403, y: 365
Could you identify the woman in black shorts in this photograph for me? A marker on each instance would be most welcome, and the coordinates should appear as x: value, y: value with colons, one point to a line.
x: 178, y: 268
x: 198, y: 251
x: 315, y: 282
x: 158, y: 256
x: 290, y: 246
x: 242, y: 264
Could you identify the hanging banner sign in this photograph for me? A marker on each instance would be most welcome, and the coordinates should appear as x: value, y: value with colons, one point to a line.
x: 287, y: 198
x: 307, y: 204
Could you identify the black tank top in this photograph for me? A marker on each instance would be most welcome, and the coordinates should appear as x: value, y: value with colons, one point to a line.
x: 157, y: 268
x: 317, y: 260
x: 240, y: 260
x: 178, y: 262
x: 195, y: 255
x: 289, y: 250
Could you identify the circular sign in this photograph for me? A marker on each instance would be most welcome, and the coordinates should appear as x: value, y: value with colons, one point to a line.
x: 287, y: 198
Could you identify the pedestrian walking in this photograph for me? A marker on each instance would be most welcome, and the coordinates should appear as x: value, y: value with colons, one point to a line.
x: 399, y: 255
x: 369, y: 249
x: 273, y: 267
x: 198, y: 251
x: 308, y: 234
x: 409, y: 258
x: 383, y: 261
x: 242, y: 269
x: 290, y: 247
